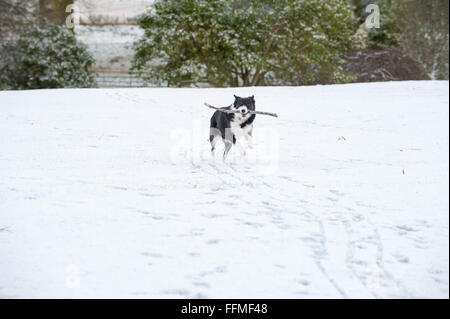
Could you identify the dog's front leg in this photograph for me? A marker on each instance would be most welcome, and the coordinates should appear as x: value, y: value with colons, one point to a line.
x: 249, y: 139
x: 240, y: 148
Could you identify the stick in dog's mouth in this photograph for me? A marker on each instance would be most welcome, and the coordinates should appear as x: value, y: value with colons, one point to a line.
x: 236, y: 111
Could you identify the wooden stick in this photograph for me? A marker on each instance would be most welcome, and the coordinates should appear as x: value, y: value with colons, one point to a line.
x: 222, y: 110
x: 264, y: 113
x: 236, y: 111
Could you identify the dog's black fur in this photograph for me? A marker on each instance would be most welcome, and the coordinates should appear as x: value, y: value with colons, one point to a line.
x: 229, y: 126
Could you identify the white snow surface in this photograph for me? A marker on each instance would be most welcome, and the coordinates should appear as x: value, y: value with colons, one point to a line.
x: 95, y: 202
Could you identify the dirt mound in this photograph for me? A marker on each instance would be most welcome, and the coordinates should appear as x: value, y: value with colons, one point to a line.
x: 378, y: 65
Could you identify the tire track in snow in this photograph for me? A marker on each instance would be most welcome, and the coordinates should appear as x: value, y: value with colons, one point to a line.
x: 282, y: 202
x: 375, y: 274
x: 388, y: 275
x: 320, y: 262
x: 322, y: 252
x: 322, y: 255
x: 323, y: 238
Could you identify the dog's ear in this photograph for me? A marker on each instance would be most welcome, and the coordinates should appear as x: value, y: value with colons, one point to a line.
x: 236, y: 99
x: 253, y: 98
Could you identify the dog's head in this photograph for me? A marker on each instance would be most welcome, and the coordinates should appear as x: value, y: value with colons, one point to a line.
x: 244, y: 104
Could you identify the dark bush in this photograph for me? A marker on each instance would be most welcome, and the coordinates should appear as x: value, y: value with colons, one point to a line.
x: 46, y: 56
x: 388, y: 64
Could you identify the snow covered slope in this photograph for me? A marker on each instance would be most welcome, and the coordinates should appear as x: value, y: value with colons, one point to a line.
x: 112, y: 193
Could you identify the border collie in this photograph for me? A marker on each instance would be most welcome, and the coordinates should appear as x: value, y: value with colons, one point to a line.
x: 230, y: 127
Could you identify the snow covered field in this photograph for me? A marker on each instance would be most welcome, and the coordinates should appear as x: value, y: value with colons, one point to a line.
x: 345, y: 195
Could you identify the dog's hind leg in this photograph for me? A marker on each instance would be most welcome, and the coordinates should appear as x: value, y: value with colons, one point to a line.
x: 214, y: 141
x: 214, y: 136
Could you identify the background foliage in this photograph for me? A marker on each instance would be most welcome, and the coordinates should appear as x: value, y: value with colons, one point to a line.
x: 419, y: 27
x: 37, y: 54
x: 237, y: 43
x: 241, y: 43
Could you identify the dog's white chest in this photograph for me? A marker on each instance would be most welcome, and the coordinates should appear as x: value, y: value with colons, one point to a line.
x: 239, y: 131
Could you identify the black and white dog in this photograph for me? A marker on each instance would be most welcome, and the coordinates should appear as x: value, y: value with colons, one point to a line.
x: 230, y: 127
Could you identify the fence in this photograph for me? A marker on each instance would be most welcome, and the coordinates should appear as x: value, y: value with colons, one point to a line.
x: 119, y: 79
x: 129, y: 79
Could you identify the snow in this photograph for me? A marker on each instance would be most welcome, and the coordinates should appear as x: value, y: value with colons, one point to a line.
x: 122, y: 10
x: 112, y: 193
